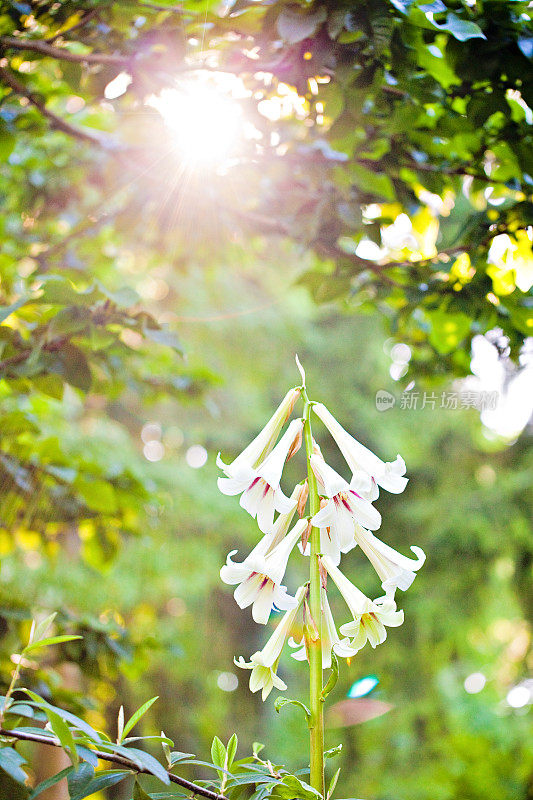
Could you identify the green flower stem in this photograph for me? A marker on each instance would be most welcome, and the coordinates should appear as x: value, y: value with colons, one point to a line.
x: 316, y: 723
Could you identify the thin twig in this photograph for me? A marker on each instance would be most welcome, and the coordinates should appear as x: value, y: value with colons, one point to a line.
x: 57, y: 122
x: 113, y: 758
x: 46, y: 49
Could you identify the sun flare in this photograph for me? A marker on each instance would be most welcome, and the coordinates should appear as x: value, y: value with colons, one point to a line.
x: 206, y: 122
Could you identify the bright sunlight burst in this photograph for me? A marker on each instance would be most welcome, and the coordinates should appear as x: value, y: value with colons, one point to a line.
x: 206, y: 121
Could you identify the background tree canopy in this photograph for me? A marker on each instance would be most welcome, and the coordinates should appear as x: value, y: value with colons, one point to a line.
x: 380, y: 160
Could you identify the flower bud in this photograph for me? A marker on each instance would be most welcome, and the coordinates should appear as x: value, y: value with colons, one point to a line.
x: 302, y: 499
x: 295, y: 446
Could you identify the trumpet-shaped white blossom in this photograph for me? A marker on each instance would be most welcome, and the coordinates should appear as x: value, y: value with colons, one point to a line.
x: 344, y: 508
x: 395, y: 570
x: 369, y: 616
x: 261, y: 492
x: 329, y: 639
x: 261, y: 446
x: 264, y: 663
x: 259, y: 576
x: 388, y: 475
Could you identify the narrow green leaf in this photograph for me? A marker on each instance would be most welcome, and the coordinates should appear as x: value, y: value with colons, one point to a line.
x: 231, y: 750
x: 6, y: 311
x: 80, y: 778
x: 139, y: 793
x: 332, y: 784
x: 75, y: 721
x: 101, y: 781
x: 46, y: 784
x: 39, y: 630
x: 134, y: 719
x: 218, y: 752
x: 333, y: 678
x: 10, y: 762
x: 176, y: 756
x: 151, y: 764
x: 333, y: 751
x: 64, y: 734
x: 51, y: 640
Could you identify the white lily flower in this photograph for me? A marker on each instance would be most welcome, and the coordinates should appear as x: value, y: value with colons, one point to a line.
x: 344, y: 508
x: 395, y: 570
x: 261, y: 492
x: 261, y: 446
x: 264, y: 663
x: 369, y: 616
x: 389, y: 475
x: 259, y: 576
x: 329, y: 639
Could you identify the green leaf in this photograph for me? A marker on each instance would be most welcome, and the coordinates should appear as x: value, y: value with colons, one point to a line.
x: 164, y: 336
x: 7, y: 141
x: 64, y: 734
x: 38, y: 631
x: 218, y: 754
x: 79, y: 779
x: 75, y: 721
x: 139, y: 793
x: 6, y: 311
x: 230, y: 751
x: 10, y: 762
x: 98, y: 495
x: 49, y: 782
x: 103, y: 780
x: 292, y: 787
x: 57, y: 290
x: 332, y: 784
x: 51, y: 640
x: 176, y: 756
x: 125, y: 296
x: 333, y: 678
x: 448, y: 329
x: 283, y: 701
x: 134, y: 719
x: 333, y: 751
x: 295, y: 24
x: 374, y: 183
x: 73, y: 365
x: 150, y: 763
x: 460, y: 29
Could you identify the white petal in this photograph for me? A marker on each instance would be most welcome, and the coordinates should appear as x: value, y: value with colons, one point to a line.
x: 282, y: 600
x: 272, y: 466
x: 332, y: 482
x: 326, y: 516
x: 231, y: 486
x: 251, y: 497
x: 363, y: 511
x: 247, y: 591
x: 358, y: 457
x: 233, y: 573
x: 262, y: 605
x: 265, y: 511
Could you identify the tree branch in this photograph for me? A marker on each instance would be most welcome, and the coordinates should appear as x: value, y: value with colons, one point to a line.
x: 113, y: 758
x: 56, y: 121
x: 49, y: 347
x: 46, y: 49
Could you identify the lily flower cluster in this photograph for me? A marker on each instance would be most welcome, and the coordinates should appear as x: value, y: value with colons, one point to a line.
x: 346, y: 519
